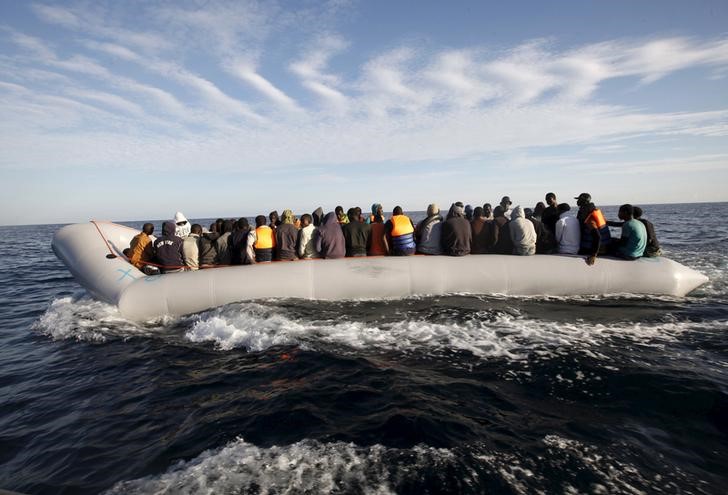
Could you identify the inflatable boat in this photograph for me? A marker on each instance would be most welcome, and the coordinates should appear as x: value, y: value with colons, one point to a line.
x: 93, y: 254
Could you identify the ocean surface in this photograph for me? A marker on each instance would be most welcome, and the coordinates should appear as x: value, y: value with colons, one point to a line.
x: 456, y: 394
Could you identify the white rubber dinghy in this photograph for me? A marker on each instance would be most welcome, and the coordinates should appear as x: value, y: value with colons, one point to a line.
x: 86, y: 250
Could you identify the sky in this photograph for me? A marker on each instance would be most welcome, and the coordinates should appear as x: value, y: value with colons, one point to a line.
x: 134, y: 110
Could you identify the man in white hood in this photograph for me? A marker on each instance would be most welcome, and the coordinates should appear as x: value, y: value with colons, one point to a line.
x: 523, y: 234
x: 183, y: 227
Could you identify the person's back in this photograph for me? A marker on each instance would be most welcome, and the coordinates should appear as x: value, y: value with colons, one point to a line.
x: 223, y: 243
x: 456, y: 232
x: 240, y: 244
x: 356, y: 235
x: 633, y: 241
x: 377, y: 238
x: 141, y: 248
x: 208, y: 247
x: 482, y: 232
x: 265, y: 241
x: 567, y: 231
x: 191, y: 247
x: 653, y: 246
x: 286, y: 237
x: 544, y: 238
x: 401, y: 233
x: 503, y: 243
x: 306, y: 238
x: 429, y: 232
x: 168, y: 250
x: 330, y: 242
x: 522, y: 232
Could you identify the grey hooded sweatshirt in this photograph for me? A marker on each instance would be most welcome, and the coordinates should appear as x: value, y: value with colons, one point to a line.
x: 522, y: 232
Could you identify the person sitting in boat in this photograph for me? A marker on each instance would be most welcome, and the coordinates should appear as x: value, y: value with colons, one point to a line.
x: 468, y: 213
x: 503, y: 243
x: 456, y: 233
x: 356, y: 234
x: 400, y: 233
x: 317, y: 216
x: 633, y: 241
x: 376, y: 210
x: 286, y: 237
x: 544, y: 239
x: 265, y: 241
x: 275, y: 219
x: 142, y: 250
x: 341, y: 217
x: 223, y: 243
x: 182, y: 226
x: 488, y: 212
x: 538, y: 211
x: 191, y: 247
x: 653, y: 246
x: 568, y: 231
x: 241, y: 243
x: 378, y: 245
x: 595, y: 235
x: 306, y: 243
x: 428, y: 234
x: 168, y: 250
x: 482, y: 232
x: 506, y: 205
x: 208, y: 247
x: 522, y: 232
x: 330, y: 242
x: 551, y: 214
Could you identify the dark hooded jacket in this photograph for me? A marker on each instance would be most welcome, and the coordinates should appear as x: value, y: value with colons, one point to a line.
x: 330, y: 241
x: 168, y: 249
x: 208, y: 248
x: 456, y: 233
x: 318, y: 216
x: 504, y: 244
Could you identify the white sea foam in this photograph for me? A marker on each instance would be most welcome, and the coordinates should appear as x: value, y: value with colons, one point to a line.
x: 315, y: 467
x: 512, y: 336
x: 85, y: 319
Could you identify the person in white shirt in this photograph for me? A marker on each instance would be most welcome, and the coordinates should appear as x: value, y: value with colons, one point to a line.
x: 306, y: 241
x: 567, y: 231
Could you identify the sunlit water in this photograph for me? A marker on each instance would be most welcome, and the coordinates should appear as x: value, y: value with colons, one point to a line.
x: 456, y: 394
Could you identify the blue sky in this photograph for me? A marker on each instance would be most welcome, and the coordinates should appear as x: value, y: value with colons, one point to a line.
x: 134, y: 110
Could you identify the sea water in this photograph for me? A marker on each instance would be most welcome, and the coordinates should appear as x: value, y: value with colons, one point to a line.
x: 454, y: 394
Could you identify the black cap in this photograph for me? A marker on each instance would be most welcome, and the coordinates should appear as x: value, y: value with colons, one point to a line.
x: 584, y: 197
x: 506, y: 199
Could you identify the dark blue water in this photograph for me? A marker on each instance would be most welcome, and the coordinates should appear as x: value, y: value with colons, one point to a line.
x: 457, y: 394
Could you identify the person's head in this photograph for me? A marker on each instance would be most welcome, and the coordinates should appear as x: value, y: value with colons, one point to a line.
x: 273, y: 216
x: 583, y: 199
x: 218, y: 224
x: 127, y: 252
x: 179, y: 219
x: 551, y: 199
x: 287, y: 217
x: 168, y: 228
x: 487, y: 209
x: 196, y: 229
x: 357, y: 212
x: 339, y: 210
x: 528, y: 212
x: 505, y: 203
x: 498, y: 211
x: 538, y: 209
x: 478, y: 212
x: 563, y: 207
x: 637, y: 212
x: 306, y: 220
x: 260, y: 221
x: 148, y: 228
x: 626, y: 212
x: 213, y: 227
x: 243, y: 224
x: 377, y: 209
x: 397, y: 210
x: 351, y: 213
x: 433, y: 210
x: 227, y: 226
x: 468, y: 212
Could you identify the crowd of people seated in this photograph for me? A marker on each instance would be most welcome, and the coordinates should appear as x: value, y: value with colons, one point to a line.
x: 548, y: 228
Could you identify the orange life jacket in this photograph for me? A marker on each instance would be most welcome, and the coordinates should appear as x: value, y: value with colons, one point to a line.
x: 265, y: 238
x: 401, y: 225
